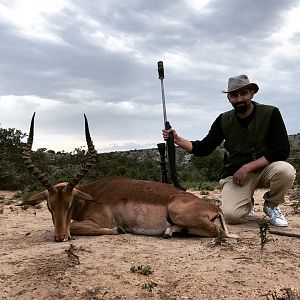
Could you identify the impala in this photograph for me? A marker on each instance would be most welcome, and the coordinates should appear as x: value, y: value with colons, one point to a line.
x: 115, y: 205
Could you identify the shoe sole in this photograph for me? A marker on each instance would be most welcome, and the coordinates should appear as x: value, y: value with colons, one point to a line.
x: 279, y: 225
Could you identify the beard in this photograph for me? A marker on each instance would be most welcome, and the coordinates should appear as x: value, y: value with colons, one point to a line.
x: 241, y: 108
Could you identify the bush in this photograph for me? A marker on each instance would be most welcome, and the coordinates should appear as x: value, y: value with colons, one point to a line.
x: 209, y: 168
x: 197, y: 172
x: 208, y: 185
x: 11, y: 162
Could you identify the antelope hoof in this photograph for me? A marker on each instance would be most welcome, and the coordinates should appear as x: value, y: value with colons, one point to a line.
x: 166, y: 235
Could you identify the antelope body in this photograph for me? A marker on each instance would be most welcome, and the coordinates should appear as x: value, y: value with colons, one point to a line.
x: 116, y: 205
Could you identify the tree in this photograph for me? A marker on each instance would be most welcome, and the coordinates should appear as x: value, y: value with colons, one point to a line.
x: 209, y: 167
x: 11, y: 162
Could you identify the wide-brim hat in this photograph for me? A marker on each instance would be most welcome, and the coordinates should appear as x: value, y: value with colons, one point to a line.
x: 239, y: 82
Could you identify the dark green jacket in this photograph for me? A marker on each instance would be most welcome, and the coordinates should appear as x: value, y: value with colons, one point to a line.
x: 244, y: 145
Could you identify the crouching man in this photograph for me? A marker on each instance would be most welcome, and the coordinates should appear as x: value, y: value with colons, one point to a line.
x: 256, y: 144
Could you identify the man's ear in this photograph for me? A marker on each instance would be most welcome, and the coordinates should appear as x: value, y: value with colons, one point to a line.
x: 37, y: 198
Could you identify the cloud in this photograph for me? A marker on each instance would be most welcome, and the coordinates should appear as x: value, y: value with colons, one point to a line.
x: 66, y: 58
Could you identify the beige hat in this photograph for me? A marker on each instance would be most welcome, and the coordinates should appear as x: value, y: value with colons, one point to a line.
x: 239, y: 82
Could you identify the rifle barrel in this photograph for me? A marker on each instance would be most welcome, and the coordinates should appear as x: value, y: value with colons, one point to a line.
x: 163, y: 102
x: 161, y: 76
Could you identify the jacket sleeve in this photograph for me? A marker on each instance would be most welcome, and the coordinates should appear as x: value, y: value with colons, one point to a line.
x: 277, y: 139
x: 213, y: 139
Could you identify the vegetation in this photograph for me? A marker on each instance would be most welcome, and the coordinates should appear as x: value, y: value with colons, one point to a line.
x: 197, y: 172
x: 11, y: 163
x: 294, y: 158
x: 149, y: 286
x: 61, y: 166
x: 285, y: 293
x: 264, y: 229
x: 144, y: 270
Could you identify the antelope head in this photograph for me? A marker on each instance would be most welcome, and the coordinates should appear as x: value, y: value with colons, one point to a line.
x: 59, y: 197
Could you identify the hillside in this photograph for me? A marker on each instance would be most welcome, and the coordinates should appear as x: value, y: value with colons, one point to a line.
x: 295, y: 146
x: 139, y: 164
x: 185, y: 161
x: 184, y: 157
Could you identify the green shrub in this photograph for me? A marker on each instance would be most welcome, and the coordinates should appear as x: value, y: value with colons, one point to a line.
x: 193, y: 172
x: 208, y: 185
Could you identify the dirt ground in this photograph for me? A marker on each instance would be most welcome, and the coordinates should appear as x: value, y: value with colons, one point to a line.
x: 33, y: 266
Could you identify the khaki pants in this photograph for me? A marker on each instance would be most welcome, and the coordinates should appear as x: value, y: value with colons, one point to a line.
x: 278, y: 177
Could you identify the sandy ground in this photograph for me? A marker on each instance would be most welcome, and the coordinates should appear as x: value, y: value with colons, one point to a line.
x: 32, y: 266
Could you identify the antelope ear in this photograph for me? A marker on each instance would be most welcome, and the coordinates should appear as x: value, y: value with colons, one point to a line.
x: 37, y: 198
x: 82, y: 196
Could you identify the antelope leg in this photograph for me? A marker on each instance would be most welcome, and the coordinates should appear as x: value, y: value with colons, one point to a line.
x: 88, y: 227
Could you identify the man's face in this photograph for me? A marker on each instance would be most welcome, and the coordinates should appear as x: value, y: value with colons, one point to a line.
x: 241, y: 100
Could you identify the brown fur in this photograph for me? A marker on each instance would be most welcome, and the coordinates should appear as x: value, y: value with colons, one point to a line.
x: 119, y: 204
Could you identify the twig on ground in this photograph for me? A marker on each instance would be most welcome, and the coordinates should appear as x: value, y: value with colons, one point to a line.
x: 263, y: 230
x: 285, y: 233
x: 72, y: 256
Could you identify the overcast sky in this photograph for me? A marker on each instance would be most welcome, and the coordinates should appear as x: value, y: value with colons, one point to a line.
x: 63, y: 58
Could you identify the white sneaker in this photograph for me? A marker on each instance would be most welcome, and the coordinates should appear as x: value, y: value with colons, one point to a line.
x: 275, y: 215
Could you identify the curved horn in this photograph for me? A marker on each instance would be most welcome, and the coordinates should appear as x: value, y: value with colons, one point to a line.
x: 92, y: 154
x: 31, y: 167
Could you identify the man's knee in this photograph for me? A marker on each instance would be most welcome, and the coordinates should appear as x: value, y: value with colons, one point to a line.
x: 285, y: 172
x: 235, y: 217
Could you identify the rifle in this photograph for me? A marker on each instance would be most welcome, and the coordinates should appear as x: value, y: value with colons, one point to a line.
x: 170, y: 141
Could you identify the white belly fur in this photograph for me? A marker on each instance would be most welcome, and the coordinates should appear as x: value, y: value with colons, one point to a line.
x: 141, y: 218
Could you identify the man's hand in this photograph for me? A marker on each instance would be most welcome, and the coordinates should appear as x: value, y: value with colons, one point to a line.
x: 178, y: 140
x: 240, y: 175
x: 167, y: 132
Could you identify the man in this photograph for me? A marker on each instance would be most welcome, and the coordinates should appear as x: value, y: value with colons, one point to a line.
x: 256, y: 144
